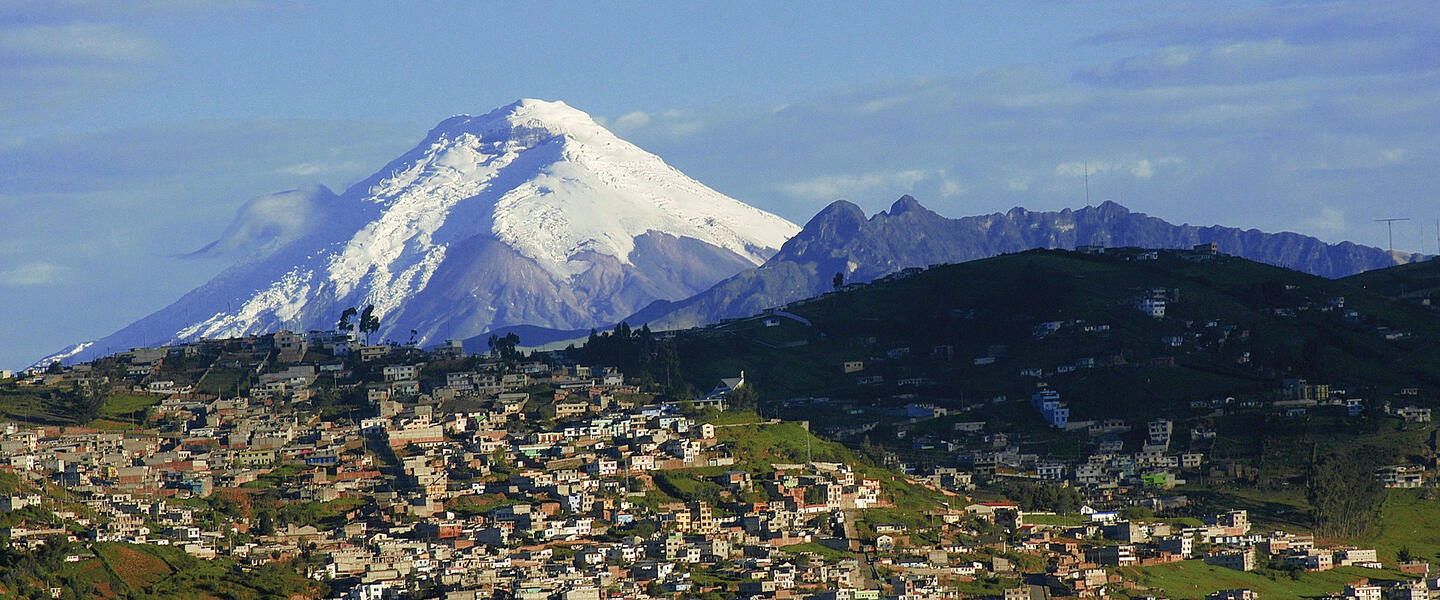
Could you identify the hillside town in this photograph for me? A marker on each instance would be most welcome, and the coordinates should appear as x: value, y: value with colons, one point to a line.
x: 464, y: 476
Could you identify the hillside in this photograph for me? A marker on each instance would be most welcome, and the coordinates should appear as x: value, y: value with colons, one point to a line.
x: 1415, y: 282
x: 1233, y: 328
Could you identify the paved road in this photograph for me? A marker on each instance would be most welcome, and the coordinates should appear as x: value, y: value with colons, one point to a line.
x: 867, y: 569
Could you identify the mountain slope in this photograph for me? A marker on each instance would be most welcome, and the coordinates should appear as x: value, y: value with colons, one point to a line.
x: 530, y: 214
x: 841, y: 240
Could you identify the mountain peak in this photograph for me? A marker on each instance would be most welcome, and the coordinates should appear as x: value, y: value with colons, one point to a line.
x: 1111, y: 206
x: 524, y: 118
x: 905, y: 204
x: 529, y: 214
x: 839, y: 210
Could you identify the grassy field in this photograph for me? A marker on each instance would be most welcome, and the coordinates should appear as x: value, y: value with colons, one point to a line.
x: 33, y: 405
x: 1284, y: 509
x: 762, y: 445
x: 1195, y: 579
x: 323, y: 514
x: 154, y: 572
x: 1407, y: 521
x: 224, y: 382
x: 136, y: 568
x: 94, y: 572
x: 825, y: 551
x: 124, y: 410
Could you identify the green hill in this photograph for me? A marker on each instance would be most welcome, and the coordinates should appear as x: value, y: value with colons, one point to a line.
x: 1233, y: 328
x: 1414, y: 281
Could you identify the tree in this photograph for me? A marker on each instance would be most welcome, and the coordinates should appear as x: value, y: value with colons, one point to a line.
x: 55, y: 368
x: 744, y: 397
x: 1345, y: 493
x: 345, y: 324
x: 369, y: 322
x: 839, y: 280
x: 504, y: 347
x: 84, y: 403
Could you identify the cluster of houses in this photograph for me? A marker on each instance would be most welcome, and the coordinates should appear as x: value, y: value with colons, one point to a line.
x: 461, y: 478
x: 456, y: 489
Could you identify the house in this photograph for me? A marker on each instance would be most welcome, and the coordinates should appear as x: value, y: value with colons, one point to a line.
x: 1119, y: 555
x: 1313, y: 559
x: 1235, y: 522
x: 1153, y: 307
x: 401, y: 372
x: 1239, y: 559
x: 1401, y: 476
x: 1240, y: 594
x: 1414, y: 414
x: 369, y: 353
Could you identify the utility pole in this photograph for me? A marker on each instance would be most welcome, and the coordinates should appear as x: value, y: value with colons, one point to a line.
x: 1390, y: 228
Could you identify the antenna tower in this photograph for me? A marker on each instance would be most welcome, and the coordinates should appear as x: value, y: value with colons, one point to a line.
x: 1390, y: 228
x: 1087, y: 183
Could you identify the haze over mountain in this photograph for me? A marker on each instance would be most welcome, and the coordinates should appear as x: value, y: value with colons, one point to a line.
x: 530, y: 214
x: 839, y: 239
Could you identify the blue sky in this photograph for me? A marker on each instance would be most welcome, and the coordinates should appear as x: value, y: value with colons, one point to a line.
x: 131, y: 132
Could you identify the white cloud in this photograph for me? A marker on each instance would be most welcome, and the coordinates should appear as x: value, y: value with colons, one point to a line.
x: 863, y: 186
x: 76, y: 43
x: 302, y: 169
x: 32, y: 274
x: 1329, y: 220
x: 306, y: 169
x: 674, y: 123
x: 632, y: 120
x: 1142, y: 168
x: 47, y: 66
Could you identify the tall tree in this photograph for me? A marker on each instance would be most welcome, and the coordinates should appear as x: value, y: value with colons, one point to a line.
x: 369, y: 322
x: 1345, y: 493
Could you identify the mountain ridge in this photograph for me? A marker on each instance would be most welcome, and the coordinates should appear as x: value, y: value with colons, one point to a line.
x: 841, y: 240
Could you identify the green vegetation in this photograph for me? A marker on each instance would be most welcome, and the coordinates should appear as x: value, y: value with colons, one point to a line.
x: 42, y: 405
x: 134, y: 567
x: 972, y: 307
x: 1408, y: 520
x: 326, y: 515
x: 1194, y: 579
x: 127, y: 407
x: 988, y: 586
x: 224, y: 382
x: 828, y: 553
x: 142, y: 571
x: 278, y: 477
x: 1344, y: 494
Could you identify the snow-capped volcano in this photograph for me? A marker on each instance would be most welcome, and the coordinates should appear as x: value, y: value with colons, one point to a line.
x: 531, y: 214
